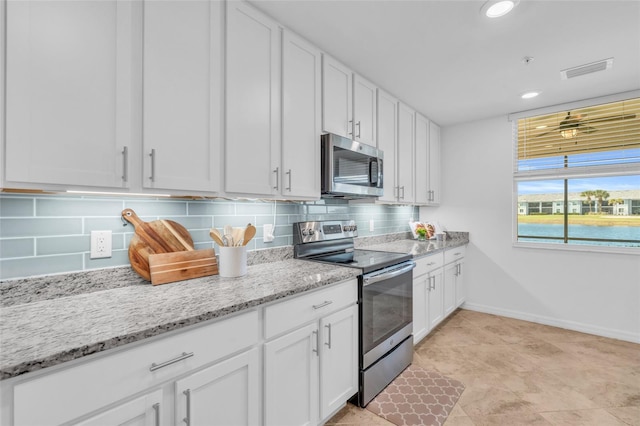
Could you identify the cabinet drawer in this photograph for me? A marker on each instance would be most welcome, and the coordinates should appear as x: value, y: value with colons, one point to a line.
x: 293, y: 313
x: 454, y: 254
x: 89, y: 385
x: 428, y: 264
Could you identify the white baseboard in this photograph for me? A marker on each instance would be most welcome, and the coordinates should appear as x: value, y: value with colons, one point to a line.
x: 569, y: 325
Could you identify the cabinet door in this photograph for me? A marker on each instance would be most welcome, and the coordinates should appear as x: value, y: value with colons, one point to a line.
x: 449, y: 288
x: 225, y: 394
x: 68, y: 92
x: 338, y: 359
x: 406, y: 153
x: 182, y: 95
x: 291, y: 378
x: 364, y: 110
x: 461, y: 289
x: 420, y: 308
x: 301, y: 72
x: 337, y: 95
x: 436, y: 302
x: 252, y: 143
x: 434, y: 164
x: 142, y: 411
x: 387, y: 132
x: 421, y: 160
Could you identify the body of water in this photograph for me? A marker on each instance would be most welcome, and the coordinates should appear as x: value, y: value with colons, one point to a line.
x: 581, y: 231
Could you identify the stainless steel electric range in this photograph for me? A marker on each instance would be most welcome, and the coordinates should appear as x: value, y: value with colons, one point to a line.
x: 385, y: 298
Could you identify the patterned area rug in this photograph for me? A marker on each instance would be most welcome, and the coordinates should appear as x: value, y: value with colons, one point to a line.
x: 417, y: 397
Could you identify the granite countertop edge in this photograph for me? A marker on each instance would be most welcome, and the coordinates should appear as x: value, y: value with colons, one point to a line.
x: 265, y: 282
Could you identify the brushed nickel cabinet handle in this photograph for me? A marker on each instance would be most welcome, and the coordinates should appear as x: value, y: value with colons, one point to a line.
x: 402, y: 187
x: 358, y: 124
x: 125, y: 164
x: 187, y: 419
x: 328, y: 343
x: 289, y: 173
x: 323, y: 304
x: 350, y: 127
x: 153, y: 165
x: 317, y: 342
x: 184, y: 355
x: 156, y: 409
x: 277, y: 172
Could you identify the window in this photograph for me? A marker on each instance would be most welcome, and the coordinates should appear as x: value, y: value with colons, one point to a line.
x: 577, y: 176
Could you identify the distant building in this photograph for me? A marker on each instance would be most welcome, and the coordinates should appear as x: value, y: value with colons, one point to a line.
x: 554, y: 203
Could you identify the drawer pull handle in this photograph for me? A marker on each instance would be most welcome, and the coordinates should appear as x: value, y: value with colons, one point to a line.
x: 323, y: 304
x: 457, y: 254
x: 187, y: 419
x: 156, y: 409
x: 184, y: 355
x: 431, y: 263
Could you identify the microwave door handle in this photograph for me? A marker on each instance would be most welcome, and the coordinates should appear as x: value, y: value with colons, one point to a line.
x: 380, y: 182
x: 387, y: 275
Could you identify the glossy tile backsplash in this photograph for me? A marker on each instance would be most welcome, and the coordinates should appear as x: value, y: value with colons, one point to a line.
x: 47, y: 234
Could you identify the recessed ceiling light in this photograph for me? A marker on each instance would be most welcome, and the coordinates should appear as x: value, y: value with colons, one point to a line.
x: 529, y: 95
x: 497, y: 8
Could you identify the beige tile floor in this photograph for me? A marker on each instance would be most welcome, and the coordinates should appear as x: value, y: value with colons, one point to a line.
x: 522, y: 373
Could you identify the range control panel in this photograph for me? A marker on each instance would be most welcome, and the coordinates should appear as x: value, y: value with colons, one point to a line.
x: 308, y: 232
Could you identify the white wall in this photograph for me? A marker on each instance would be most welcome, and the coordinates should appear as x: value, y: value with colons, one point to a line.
x: 593, y: 292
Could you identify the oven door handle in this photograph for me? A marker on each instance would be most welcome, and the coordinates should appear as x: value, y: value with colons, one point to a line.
x: 368, y: 280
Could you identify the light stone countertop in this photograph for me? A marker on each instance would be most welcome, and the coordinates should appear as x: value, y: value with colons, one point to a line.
x: 45, y: 321
x: 48, y: 332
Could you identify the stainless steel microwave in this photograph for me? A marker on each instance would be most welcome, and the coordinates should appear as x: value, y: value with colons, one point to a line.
x: 350, y: 169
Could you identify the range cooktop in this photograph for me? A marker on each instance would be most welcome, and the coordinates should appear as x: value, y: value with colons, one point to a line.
x: 367, y: 260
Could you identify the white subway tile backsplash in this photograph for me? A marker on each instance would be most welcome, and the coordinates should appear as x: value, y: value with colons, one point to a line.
x: 57, y: 239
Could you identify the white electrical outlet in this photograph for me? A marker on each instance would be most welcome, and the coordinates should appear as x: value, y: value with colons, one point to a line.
x: 267, y: 233
x: 100, y: 244
x: 371, y: 227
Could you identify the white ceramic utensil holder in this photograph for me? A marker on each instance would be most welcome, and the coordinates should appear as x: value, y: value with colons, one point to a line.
x: 233, y: 261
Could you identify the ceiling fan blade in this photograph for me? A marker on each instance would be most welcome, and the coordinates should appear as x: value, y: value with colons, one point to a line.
x: 610, y: 118
x: 587, y: 129
x: 547, y: 132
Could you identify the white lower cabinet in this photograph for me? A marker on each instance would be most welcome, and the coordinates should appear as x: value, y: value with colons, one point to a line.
x: 438, y: 289
x: 142, y: 411
x: 293, y: 362
x: 312, y: 370
x: 225, y: 394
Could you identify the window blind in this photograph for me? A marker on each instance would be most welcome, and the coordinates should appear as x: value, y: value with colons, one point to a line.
x: 607, y: 134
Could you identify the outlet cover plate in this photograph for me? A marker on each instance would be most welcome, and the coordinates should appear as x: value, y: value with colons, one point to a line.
x: 101, y: 244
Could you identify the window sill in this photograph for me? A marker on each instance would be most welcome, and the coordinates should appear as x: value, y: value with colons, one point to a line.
x: 579, y: 248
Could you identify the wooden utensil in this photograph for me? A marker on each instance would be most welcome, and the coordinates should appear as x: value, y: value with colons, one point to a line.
x: 182, y: 265
x: 238, y: 236
x: 215, y: 234
x: 249, y: 233
x: 158, y: 236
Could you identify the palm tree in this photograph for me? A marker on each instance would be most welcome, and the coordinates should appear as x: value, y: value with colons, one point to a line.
x: 614, y: 202
x: 588, y: 195
x: 600, y: 195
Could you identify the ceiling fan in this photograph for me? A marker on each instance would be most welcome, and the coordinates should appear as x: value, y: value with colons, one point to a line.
x: 572, y: 124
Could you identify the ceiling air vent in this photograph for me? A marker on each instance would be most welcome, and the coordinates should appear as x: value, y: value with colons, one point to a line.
x: 602, y: 65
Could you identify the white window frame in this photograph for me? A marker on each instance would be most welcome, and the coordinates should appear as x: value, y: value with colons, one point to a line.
x: 571, y: 173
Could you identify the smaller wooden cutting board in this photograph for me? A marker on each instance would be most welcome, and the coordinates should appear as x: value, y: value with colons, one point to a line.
x: 182, y: 265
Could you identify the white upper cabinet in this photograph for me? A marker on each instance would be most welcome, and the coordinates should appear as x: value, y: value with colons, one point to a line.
x: 421, y: 160
x: 337, y: 98
x: 364, y: 111
x: 406, y: 153
x: 435, y: 191
x: 181, y: 95
x: 68, y: 93
x: 299, y: 176
x: 387, y: 131
x: 252, y: 142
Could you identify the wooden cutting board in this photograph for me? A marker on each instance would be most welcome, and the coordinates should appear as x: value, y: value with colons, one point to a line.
x: 158, y: 236
x: 183, y: 265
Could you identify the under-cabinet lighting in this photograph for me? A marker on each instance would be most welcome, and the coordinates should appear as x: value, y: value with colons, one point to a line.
x: 119, y: 194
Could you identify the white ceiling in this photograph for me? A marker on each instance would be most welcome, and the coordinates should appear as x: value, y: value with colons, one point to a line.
x: 454, y: 65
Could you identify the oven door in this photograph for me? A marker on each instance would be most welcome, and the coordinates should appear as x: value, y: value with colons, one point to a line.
x: 387, y: 310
